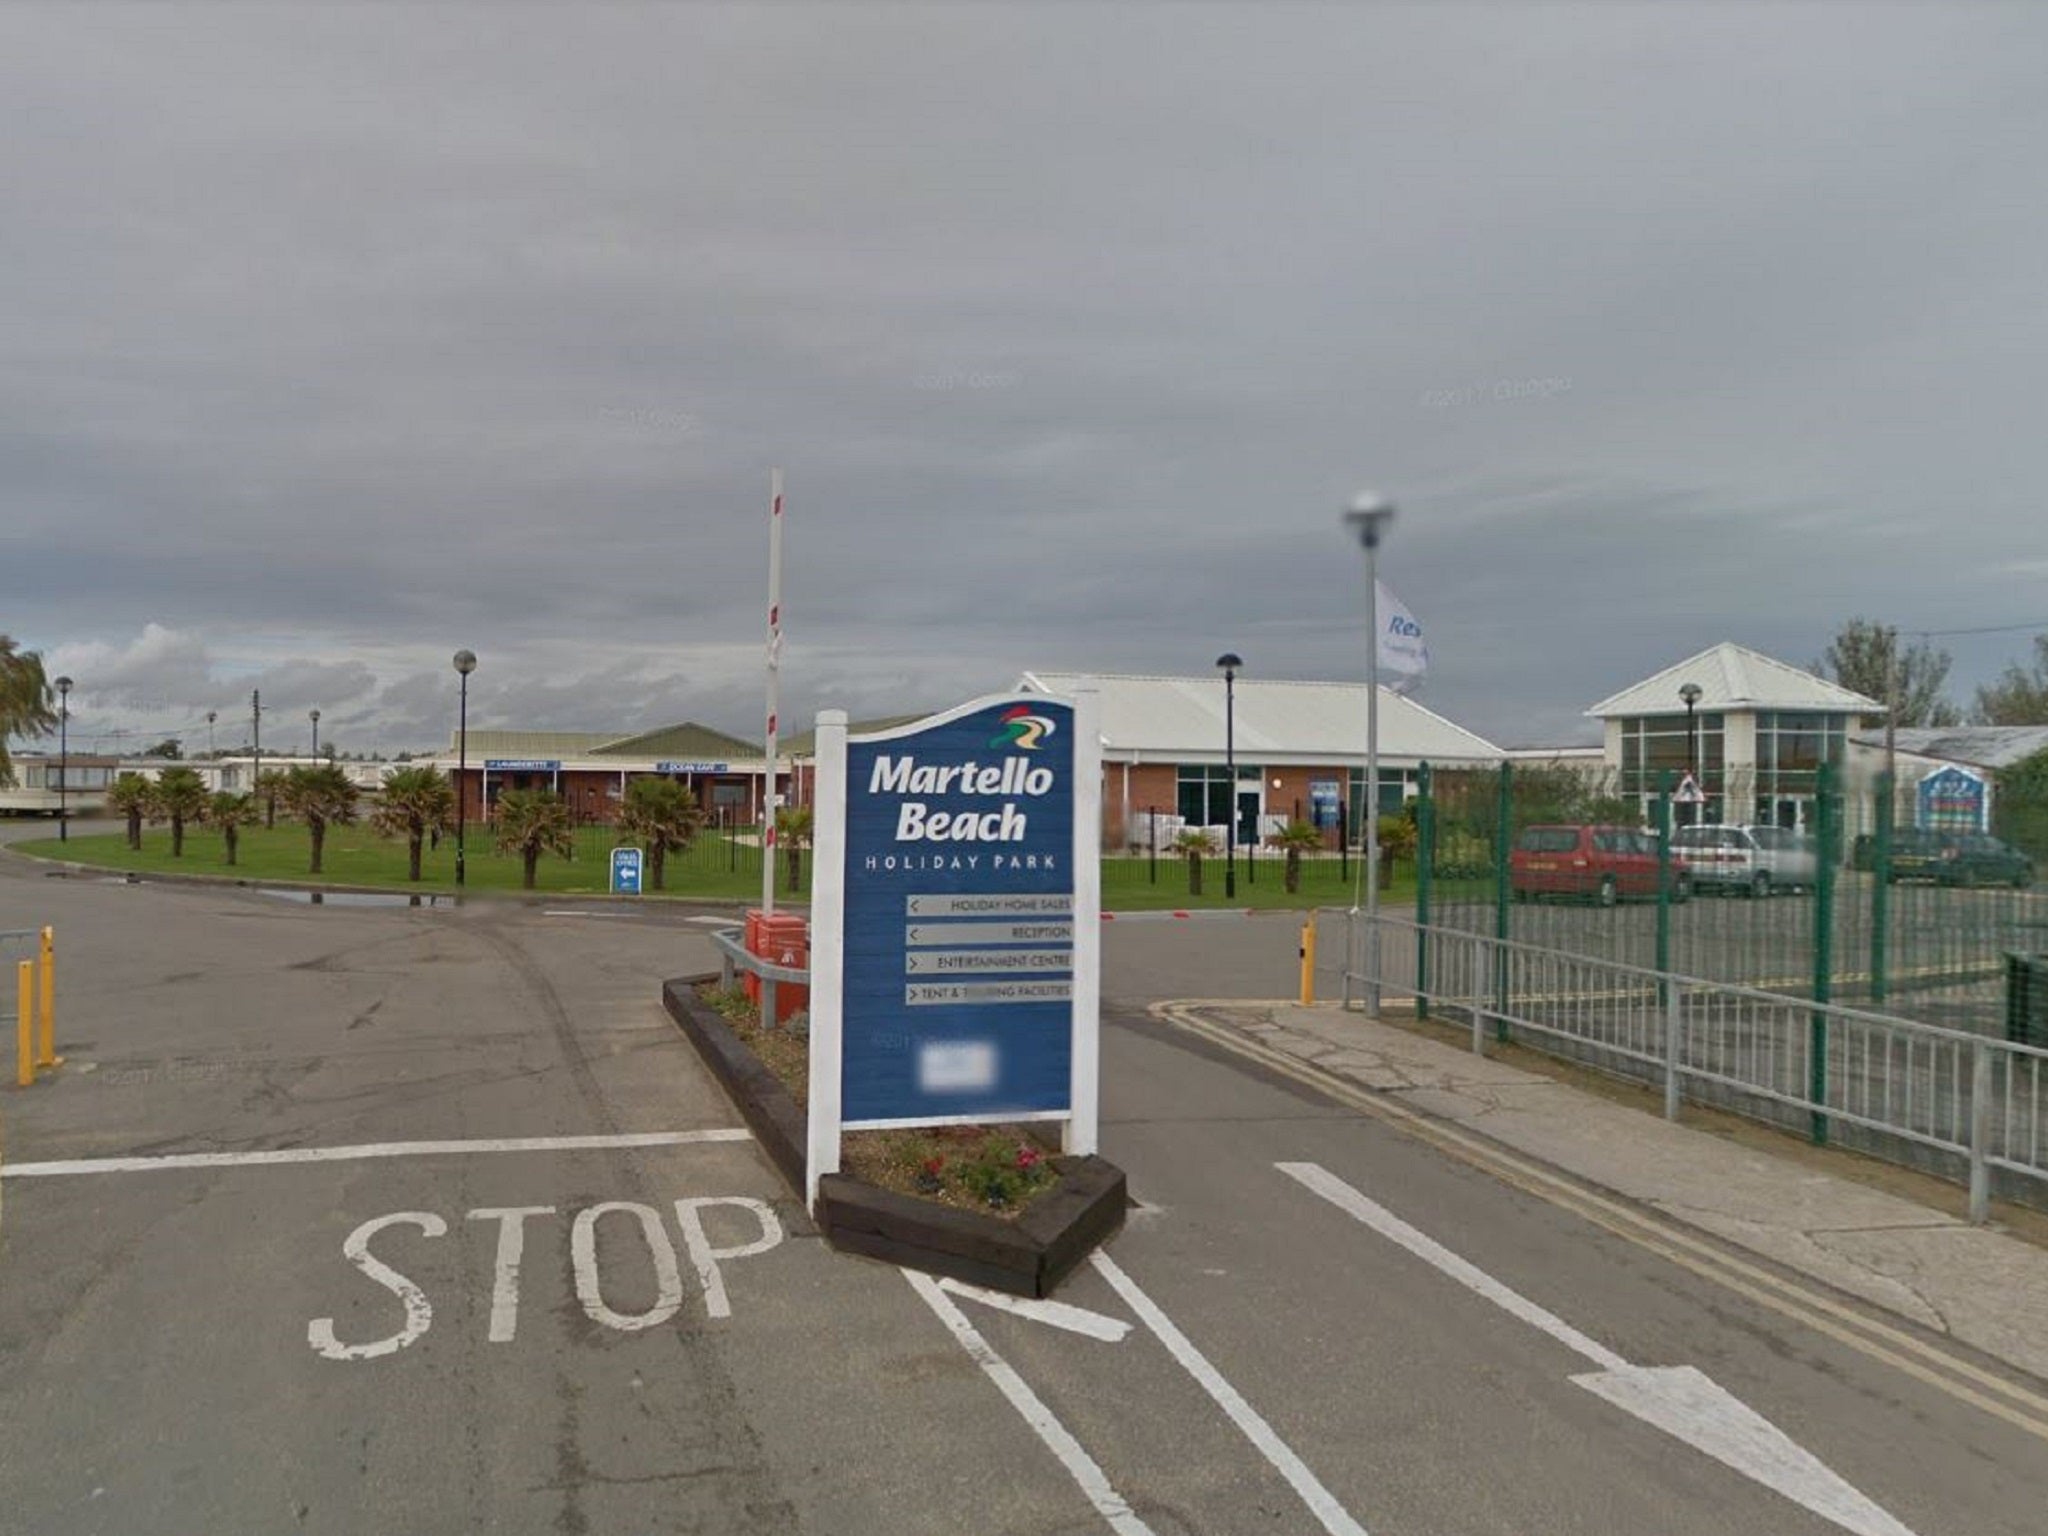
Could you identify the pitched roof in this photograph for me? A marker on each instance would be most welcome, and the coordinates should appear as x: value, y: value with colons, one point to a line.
x: 1732, y: 676
x: 686, y: 741
x: 806, y: 745
x: 1975, y: 746
x: 1184, y: 716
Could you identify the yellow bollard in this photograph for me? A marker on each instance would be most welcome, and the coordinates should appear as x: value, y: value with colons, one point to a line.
x: 1308, y: 961
x: 25, y: 1026
x: 49, y: 1056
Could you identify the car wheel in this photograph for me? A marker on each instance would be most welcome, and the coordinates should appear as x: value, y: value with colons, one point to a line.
x: 1760, y: 884
x: 1682, y: 890
x: 1608, y: 894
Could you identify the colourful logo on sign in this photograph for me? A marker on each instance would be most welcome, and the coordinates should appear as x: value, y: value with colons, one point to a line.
x: 1023, y: 729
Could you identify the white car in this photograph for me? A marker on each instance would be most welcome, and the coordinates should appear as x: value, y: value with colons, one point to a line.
x: 1753, y: 860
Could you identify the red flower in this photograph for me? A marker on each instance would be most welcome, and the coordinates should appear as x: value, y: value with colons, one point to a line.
x: 1029, y: 1158
x: 934, y: 1166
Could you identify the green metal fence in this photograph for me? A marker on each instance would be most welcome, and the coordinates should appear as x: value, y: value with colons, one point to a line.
x: 1856, y: 904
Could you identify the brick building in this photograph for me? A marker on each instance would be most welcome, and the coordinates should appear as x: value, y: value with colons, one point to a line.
x: 590, y: 769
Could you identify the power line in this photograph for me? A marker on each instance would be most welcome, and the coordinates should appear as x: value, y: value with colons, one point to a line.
x: 1987, y: 629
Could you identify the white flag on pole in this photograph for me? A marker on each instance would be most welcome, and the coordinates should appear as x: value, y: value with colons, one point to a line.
x: 1404, y: 652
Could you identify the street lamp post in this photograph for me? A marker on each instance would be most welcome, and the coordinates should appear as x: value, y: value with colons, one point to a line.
x: 314, y: 715
x: 1369, y: 515
x: 1691, y: 694
x: 211, y: 716
x: 465, y: 663
x: 1228, y: 663
x: 63, y: 759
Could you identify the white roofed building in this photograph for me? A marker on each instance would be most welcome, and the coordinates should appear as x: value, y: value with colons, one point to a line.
x: 1753, y: 737
x: 1300, y: 749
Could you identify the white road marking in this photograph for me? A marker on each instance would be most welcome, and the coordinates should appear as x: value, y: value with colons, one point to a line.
x: 1679, y: 1400
x: 1059, y: 1314
x: 704, y: 1258
x: 177, y: 1160
x: 1323, y: 1504
x: 668, y: 1280
x: 1087, y: 1475
x: 553, y: 912
x: 511, y: 1248
x: 419, y: 1315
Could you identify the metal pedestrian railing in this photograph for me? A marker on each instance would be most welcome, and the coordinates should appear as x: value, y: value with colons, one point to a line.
x: 735, y: 959
x: 1970, y: 1107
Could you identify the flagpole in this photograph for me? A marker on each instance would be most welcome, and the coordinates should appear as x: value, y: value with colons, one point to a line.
x: 774, y: 688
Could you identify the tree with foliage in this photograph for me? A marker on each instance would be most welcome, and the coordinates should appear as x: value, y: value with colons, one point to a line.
x: 1399, y: 837
x: 270, y: 785
x: 794, y: 826
x: 2021, y: 805
x: 1191, y: 843
x: 1297, y: 837
x: 414, y: 803
x: 2020, y: 696
x: 25, y: 708
x: 532, y: 822
x: 179, y: 796
x: 131, y: 794
x: 1865, y: 657
x: 665, y: 816
x: 228, y: 813
x: 169, y: 747
x: 320, y: 797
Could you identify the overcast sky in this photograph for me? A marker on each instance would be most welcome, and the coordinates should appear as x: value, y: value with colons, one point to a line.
x: 335, y: 339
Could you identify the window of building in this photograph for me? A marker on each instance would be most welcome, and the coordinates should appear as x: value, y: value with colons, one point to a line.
x: 1659, y: 744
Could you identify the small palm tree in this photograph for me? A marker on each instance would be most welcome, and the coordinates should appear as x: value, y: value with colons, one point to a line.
x: 319, y: 797
x: 270, y: 785
x: 415, y: 803
x: 1297, y: 837
x: 180, y: 796
x: 794, y: 825
x: 131, y: 795
x: 1191, y: 843
x: 24, y: 699
x: 1399, y: 837
x: 230, y: 813
x: 532, y: 822
x: 665, y: 816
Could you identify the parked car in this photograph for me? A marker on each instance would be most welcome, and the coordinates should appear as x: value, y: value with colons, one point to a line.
x: 1958, y: 858
x: 1754, y: 860
x: 1601, y: 864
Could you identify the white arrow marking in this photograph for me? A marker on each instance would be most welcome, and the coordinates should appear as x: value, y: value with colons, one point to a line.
x: 1679, y: 1400
x: 1058, y: 1313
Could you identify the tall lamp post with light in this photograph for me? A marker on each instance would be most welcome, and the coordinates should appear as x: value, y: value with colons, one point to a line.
x: 314, y: 716
x: 63, y: 759
x: 1690, y: 693
x: 1368, y: 516
x: 465, y: 663
x: 1227, y: 664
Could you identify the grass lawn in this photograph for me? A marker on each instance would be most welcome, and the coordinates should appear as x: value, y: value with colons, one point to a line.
x: 714, y: 868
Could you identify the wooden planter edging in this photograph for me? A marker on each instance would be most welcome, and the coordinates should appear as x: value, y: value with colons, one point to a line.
x: 1025, y: 1257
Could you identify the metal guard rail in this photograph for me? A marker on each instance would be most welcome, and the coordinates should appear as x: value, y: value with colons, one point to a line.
x: 734, y: 957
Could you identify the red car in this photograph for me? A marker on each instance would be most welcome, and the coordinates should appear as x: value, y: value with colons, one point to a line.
x: 1602, y: 864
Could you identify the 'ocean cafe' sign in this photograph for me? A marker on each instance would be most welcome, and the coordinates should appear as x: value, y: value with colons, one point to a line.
x: 955, y: 916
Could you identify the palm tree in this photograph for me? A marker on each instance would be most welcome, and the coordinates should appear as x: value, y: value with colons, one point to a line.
x: 1192, y: 843
x: 319, y: 796
x: 794, y: 825
x: 179, y: 796
x: 24, y: 700
x: 1297, y: 837
x: 415, y: 802
x: 665, y: 816
x: 132, y: 795
x: 230, y: 813
x: 270, y: 785
x: 532, y: 822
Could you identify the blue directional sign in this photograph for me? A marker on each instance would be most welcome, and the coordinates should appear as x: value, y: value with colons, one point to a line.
x: 626, y: 871
x: 958, y: 981
x: 523, y: 764
x: 693, y: 765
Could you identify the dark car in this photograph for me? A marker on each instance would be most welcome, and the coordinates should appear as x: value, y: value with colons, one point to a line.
x: 1603, y: 864
x: 1950, y: 858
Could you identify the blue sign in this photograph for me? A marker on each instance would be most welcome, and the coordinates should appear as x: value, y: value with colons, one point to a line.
x: 523, y: 764
x: 626, y: 871
x: 1954, y: 800
x: 692, y: 767
x: 958, y: 982
x: 1322, y: 802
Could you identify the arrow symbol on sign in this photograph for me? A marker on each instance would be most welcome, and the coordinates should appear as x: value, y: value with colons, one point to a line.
x: 1681, y: 1401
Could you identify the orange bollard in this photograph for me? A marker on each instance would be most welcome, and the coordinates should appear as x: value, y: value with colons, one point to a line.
x: 48, y: 1056
x: 25, y: 1026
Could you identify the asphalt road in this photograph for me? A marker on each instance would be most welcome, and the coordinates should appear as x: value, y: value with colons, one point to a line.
x: 192, y: 1348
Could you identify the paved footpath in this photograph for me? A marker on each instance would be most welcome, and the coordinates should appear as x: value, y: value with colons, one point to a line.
x: 1982, y: 1286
